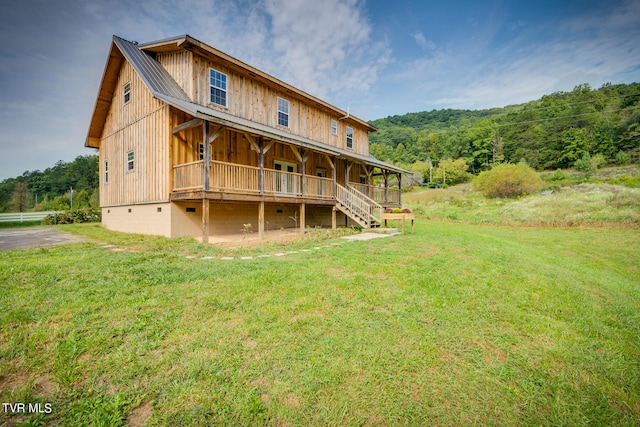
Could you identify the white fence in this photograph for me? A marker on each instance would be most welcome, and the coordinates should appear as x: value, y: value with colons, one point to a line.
x: 24, y: 216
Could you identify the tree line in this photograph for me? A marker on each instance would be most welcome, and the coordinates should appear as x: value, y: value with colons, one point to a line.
x: 550, y: 133
x: 55, y: 188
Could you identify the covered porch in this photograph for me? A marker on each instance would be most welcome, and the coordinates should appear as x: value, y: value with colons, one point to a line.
x: 223, y: 162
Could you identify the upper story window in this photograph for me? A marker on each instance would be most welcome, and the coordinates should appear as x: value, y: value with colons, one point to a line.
x: 106, y: 172
x: 283, y: 112
x: 349, y: 137
x: 334, y: 127
x: 130, y: 161
x: 126, y: 93
x: 217, y: 87
x: 200, y: 151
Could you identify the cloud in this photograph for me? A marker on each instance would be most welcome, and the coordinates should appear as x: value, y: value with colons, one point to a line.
x: 423, y: 42
x: 324, y: 47
x: 592, y: 48
x: 52, y: 57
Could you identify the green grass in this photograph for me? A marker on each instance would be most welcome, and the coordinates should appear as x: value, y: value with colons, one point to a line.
x: 455, y: 325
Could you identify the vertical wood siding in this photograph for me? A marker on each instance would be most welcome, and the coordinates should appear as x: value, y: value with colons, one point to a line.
x: 141, y: 125
x: 256, y: 101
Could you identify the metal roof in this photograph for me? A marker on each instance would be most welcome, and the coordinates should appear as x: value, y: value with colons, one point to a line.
x: 154, y: 75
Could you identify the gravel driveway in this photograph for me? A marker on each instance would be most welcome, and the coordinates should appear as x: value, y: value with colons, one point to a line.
x: 32, y: 237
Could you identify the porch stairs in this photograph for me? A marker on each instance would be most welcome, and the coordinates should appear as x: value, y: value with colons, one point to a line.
x: 357, y: 206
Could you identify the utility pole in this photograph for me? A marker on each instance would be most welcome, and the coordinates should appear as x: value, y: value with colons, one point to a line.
x: 71, y: 198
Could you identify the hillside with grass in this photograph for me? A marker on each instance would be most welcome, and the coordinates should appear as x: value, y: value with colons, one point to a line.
x: 608, y: 198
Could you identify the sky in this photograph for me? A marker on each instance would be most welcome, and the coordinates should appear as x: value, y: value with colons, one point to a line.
x: 375, y: 58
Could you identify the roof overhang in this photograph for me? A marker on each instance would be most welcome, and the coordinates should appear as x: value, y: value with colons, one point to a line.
x: 105, y: 95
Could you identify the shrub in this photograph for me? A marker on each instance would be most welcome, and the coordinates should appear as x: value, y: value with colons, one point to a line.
x: 622, y: 158
x: 508, y: 180
x: 73, y: 217
x: 598, y: 161
x: 584, y: 164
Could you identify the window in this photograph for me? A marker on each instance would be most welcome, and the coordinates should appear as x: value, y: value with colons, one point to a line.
x: 217, y: 87
x: 106, y: 172
x: 334, y: 127
x: 349, y: 137
x: 283, y: 112
x: 200, y: 151
x: 127, y: 93
x: 130, y: 161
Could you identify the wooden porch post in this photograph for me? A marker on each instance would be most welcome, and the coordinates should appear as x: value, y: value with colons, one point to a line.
x: 334, y: 222
x: 261, y: 170
x: 205, y: 220
x: 399, y: 188
x: 369, y: 171
x: 347, y: 169
x: 303, y: 170
x: 302, y: 218
x: 261, y: 220
x: 206, y: 163
x: 333, y: 175
x: 386, y: 186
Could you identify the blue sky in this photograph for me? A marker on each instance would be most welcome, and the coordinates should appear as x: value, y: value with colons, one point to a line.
x: 376, y: 58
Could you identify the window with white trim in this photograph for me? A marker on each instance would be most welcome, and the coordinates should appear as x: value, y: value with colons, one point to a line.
x: 130, y: 161
x: 200, y: 151
x: 126, y: 93
x: 106, y: 171
x: 349, y: 137
x: 217, y: 88
x: 334, y: 127
x: 283, y: 112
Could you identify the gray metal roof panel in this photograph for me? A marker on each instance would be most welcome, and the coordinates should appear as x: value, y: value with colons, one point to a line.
x: 157, y: 79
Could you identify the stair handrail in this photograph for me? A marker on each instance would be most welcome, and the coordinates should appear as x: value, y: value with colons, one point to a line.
x: 359, y: 204
x: 375, y: 208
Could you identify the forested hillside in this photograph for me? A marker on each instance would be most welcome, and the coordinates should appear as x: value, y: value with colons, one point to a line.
x: 552, y: 132
x: 51, y: 188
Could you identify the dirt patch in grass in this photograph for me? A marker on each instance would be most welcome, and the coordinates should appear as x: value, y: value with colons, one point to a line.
x: 491, y: 353
x: 42, y: 384
x: 140, y: 415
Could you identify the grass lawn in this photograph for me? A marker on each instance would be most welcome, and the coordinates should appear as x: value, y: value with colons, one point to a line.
x: 457, y: 324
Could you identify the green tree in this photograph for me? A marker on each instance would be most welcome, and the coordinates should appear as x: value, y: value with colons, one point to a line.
x: 20, y: 197
x: 452, y: 172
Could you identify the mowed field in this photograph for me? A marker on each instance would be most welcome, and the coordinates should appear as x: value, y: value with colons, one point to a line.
x: 457, y: 324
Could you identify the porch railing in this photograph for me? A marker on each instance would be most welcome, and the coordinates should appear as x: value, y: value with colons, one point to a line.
x: 363, y: 188
x: 237, y: 178
x: 379, y: 195
x: 188, y: 176
x: 282, y: 183
x: 318, y: 187
x: 232, y: 177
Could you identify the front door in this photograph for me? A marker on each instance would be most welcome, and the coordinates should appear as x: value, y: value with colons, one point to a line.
x: 285, y: 183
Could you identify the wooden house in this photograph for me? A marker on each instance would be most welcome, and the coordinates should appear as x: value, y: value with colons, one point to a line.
x: 195, y: 142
